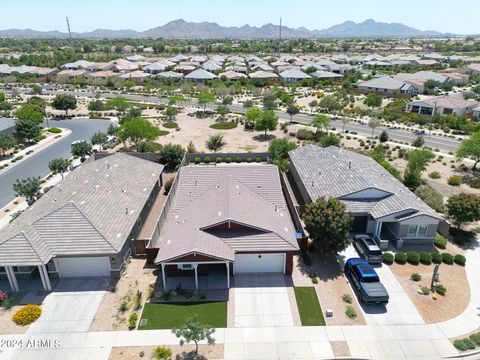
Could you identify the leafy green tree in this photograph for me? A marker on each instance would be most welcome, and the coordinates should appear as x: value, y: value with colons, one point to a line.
x: 215, y: 143
x: 118, y: 103
x: 292, y: 110
x: 328, y: 224
x: 204, y: 98
x: 373, y: 123
x: 330, y: 103
x: 6, y: 142
x: 2, y: 97
x: 322, y: 122
x: 138, y: 130
x: 373, y: 100
x: 417, y: 163
x: 470, y: 147
x: 29, y: 113
x: 81, y: 149
x: 279, y: 149
x: 418, y: 142
x: 464, y: 208
x: 312, y: 105
x: 171, y: 112
x: 36, y: 89
x: 28, y: 188
x: 64, y: 102
x: 5, y: 107
x: 251, y: 116
x: 27, y: 129
x: 383, y: 138
x: 96, y: 105
x: 223, y: 110
x: 269, y: 102
x: 59, y: 166
x: 112, y: 130
x: 329, y: 140
x: 176, y: 99
x: 172, y: 155
x: 267, y: 122
x: 194, y: 331
x: 99, y: 138
x: 227, y: 100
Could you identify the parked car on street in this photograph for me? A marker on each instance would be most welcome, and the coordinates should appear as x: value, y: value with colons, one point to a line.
x: 365, y: 279
x: 367, y: 248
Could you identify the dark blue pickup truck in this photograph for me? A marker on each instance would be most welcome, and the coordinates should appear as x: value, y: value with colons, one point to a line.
x: 366, y: 280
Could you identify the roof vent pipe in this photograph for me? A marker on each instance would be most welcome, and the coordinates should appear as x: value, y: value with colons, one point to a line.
x: 126, y: 210
x: 350, y: 164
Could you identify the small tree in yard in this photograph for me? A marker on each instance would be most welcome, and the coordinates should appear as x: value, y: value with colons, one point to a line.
x: 417, y: 163
x: 64, y: 102
x: 470, y: 147
x: 215, y: 143
x: 373, y: 100
x: 81, y: 149
x: 6, y: 142
x: 328, y: 224
x: 464, y: 208
x: 138, y: 130
x: 27, y: 129
x: 321, y: 122
x: 373, y: 123
x: 292, y: 110
x: 279, y: 149
x: 223, y: 110
x: 171, y: 112
x: 99, y: 138
x: 204, y: 98
x: 268, y: 121
x: 172, y: 155
x: 418, y: 142
x: 28, y: 188
x: 194, y: 331
x: 59, y: 166
x: 345, y: 120
x: 5, y: 107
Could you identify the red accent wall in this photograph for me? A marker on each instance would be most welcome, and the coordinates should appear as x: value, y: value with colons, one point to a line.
x: 151, y: 254
x: 289, y: 263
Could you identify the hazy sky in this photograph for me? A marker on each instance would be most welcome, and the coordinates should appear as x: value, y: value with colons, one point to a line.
x: 460, y: 16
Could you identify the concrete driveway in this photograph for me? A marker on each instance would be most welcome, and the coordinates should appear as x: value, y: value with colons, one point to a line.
x: 71, y: 306
x: 262, y: 300
x: 399, y: 310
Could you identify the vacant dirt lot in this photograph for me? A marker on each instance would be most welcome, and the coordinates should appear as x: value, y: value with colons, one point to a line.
x: 330, y: 288
x: 136, y: 277
x: 7, y: 326
x: 186, y: 352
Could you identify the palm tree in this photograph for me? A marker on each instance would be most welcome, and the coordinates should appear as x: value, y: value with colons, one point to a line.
x: 215, y: 143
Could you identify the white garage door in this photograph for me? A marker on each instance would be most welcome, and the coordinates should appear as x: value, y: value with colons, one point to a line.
x: 259, y: 263
x: 84, y: 266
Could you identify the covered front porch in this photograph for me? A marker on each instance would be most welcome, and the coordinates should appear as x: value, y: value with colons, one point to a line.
x: 25, y: 278
x: 196, y: 275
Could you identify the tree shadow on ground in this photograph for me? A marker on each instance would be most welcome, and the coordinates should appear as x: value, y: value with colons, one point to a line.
x: 325, y: 266
x: 263, y: 138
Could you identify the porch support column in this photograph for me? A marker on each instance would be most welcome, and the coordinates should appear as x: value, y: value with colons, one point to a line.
x: 228, y: 274
x: 164, y: 277
x: 196, y: 276
x: 47, y: 286
x: 42, y: 277
x: 12, y: 279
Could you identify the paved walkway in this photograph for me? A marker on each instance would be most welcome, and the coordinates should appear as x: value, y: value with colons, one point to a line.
x: 420, y: 341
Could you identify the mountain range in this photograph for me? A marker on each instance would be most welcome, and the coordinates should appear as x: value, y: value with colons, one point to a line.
x: 181, y: 29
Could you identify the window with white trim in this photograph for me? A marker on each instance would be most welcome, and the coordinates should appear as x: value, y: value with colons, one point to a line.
x: 185, y: 266
x: 417, y: 230
x: 412, y: 230
x: 422, y: 230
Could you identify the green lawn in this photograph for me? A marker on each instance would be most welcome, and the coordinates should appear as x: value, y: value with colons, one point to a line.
x: 173, y: 315
x: 227, y: 125
x: 170, y: 125
x: 308, y: 306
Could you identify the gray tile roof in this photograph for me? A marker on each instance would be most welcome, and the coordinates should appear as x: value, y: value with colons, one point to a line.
x: 92, y: 211
x: 248, y: 195
x: 383, y: 82
x: 336, y: 172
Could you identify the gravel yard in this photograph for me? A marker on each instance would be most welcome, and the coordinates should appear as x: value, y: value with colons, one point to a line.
x: 186, y: 352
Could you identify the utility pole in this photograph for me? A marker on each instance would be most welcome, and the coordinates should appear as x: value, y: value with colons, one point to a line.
x: 280, y: 38
x: 69, y: 32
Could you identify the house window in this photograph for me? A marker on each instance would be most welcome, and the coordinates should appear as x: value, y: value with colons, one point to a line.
x: 422, y: 230
x: 412, y: 230
x: 447, y: 111
x: 2, y: 270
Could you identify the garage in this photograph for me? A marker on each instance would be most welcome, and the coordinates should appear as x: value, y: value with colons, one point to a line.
x: 83, y: 266
x: 259, y: 263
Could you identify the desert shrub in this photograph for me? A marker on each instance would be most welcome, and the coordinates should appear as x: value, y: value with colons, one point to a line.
x: 201, y: 295
x: 454, y: 180
x: 132, y: 321
x: 197, y: 160
x: 440, y: 241
x: 447, y: 258
x: 475, y: 338
x: 440, y: 289
x: 258, y: 159
x: 388, y: 258
x: 460, y: 260
x: 415, y: 277
x: 350, y: 312
x: 168, y: 185
x: 27, y: 314
x: 218, y: 160
x: 162, y: 353
x: 469, y: 343
x: 475, y: 183
x: 228, y: 159
x: 347, y: 298
x: 305, y: 134
x: 436, y: 258
x: 55, y: 130
x: 239, y: 159
x: 425, y: 258
x: 413, y: 258
x: 123, y: 306
x: 401, y: 258
x: 425, y: 290
x: 206, y: 159
x: 434, y: 175
x: 460, y: 345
